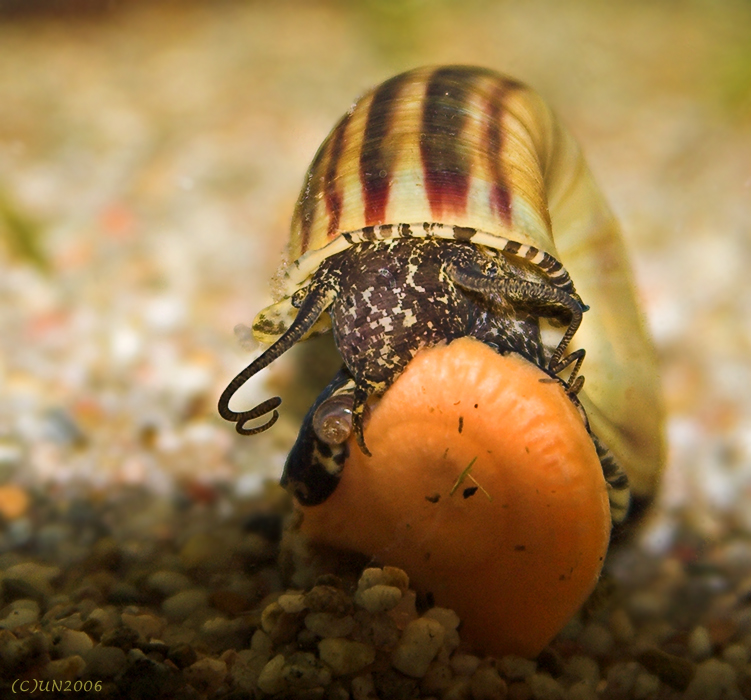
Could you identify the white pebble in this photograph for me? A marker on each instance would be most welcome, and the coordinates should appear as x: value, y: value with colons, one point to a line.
x: 699, y: 643
x: 371, y: 577
x: 344, y: 656
x: 448, y: 618
x: 271, y: 681
x: 378, y: 598
x: 73, y: 643
x: 420, y: 642
x: 292, y: 602
x: 18, y: 617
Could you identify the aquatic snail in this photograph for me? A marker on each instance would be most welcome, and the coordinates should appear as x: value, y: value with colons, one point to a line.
x: 450, y: 203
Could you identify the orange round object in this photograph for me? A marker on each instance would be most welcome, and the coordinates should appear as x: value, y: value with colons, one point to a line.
x: 485, y: 487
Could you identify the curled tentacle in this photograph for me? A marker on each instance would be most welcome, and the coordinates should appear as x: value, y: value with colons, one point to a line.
x: 321, y: 293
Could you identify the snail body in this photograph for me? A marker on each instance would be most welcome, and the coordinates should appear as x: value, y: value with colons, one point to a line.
x: 448, y: 221
x: 450, y: 202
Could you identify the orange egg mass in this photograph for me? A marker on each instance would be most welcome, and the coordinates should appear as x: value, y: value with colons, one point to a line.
x: 485, y: 487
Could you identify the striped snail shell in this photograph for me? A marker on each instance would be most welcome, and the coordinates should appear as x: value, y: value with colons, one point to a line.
x: 450, y: 202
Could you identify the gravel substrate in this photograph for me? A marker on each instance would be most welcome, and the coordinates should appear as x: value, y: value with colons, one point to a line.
x: 200, y: 596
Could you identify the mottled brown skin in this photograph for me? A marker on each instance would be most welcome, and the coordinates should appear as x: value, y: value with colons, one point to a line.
x: 392, y: 298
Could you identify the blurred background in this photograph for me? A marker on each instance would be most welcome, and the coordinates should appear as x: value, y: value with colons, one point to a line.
x: 150, y: 157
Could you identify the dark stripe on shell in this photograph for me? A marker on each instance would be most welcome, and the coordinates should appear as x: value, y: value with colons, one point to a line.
x: 500, y: 197
x: 333, y: 193
x: 377, y: 162
x: 446, y: 159
x: 531, y: 253
x: 512, y: 247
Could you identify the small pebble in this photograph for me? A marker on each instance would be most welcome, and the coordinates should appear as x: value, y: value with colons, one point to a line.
x: 448, y: 618
x: 545, y: 687
x: 670, y: 669
x: 292, y: 602
x: 304, y: 670
x: 583, y: 668
x: 206, y: 675
x: 261, y: 643
x: 344, y: 656
x: 324, y: 624
x: 73, y: 643
x: 459, y: 689
x: 66, y: 669
x: 148, y: 626
x: 596, y: 639
x: 646, y: 687
x: 104, y: 662
x: 378, y: 598
x: 515, y: 668
x: 714, y: 680
x: 581, y: 691
x: 464, y: 664
x: 168, y: 582
x: 29, y: 580
x: 20, y: 612
x: 323, y: 598
x: 270, y: 680
x: 437, y: 678
x: 419, y: 644
x: 181, y: 605
x: 621, y: 626
x: 620, y: 680
x: 519, y: 691
x: 363, y: 688
x: 246, y: 669
x: 737, y: 655
x: 487, y: 684
x: 380, y: 631
x: 699, y: 643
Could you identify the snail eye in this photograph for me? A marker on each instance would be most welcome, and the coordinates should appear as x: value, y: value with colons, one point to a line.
x: 332, y: 421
